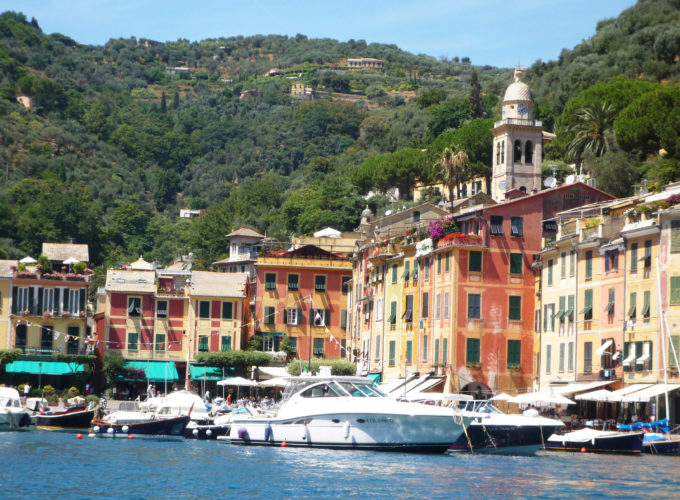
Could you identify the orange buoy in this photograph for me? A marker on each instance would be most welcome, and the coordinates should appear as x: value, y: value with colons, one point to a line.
x: 131, y: 436
x: 283, y: 444
x: 583, y: 450
x: 79, y: 436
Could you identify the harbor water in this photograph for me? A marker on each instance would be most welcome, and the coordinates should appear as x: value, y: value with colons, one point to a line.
x: 57, y: 465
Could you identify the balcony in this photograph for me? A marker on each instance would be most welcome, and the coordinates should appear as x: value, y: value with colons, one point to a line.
x: 518, y: 121
x: 170, y: 292
x: 51, y: 276
x: 591, y: 233
x: 568, y: 229
x: 460, y: 240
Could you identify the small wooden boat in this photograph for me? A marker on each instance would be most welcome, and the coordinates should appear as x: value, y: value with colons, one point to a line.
x: 595, y: 441
x: 75, y: 419
x: 157, y: 428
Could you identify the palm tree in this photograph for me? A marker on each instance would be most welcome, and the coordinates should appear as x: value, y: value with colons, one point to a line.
x: 454, y: 170
x: 591, y: 131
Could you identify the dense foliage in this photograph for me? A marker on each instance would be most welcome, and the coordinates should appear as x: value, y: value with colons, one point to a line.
x: 338, y: 366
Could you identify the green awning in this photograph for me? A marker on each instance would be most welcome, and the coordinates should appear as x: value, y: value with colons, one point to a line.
x: 375, y: 377
x: 210, y: 373
x: 270, y: 334
x: 154, y: 371
x: 44, y: 367
x: 559, y: 314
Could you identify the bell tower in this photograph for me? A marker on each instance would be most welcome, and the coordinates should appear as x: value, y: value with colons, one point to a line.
x: 517, y: 143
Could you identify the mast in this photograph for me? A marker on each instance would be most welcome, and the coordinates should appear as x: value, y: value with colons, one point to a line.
x: 661, y: 330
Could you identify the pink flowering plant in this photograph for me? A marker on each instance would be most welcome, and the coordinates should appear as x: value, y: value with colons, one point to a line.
x: 437, y: 229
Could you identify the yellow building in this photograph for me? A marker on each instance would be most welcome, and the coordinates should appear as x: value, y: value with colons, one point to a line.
x: 7, y: 268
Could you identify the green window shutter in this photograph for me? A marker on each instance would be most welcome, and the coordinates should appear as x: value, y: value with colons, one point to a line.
x: 589, y: 264
x: 516, y: 263
x: 393, y: 312
x: 343, y: 319
x: 293, y: 282
x: 673, y: 351
x: 675, y: 236
x: 570, y: 307
x: 472, y: 351
x: 561, y: 311
x: 203, y: 343
x: 572, y: 263
x: 269, y: 315
x: 327, y: 317
x: 570, y: 359
x: 15, y: 299
x: 345, y: 284
x: 407, y: 270
x: 675, y: 290
x: 426, y: 305
x: 446, y: 263
x: 436, y: 351
x: 425, y: 347
x: 548, y: 354
x: 409, y: 352
x: 633, y: 256
x: 204, y: 309
x: 514, y: 353
x: 475, y: 261
x: 515, y: 307
x: 82, y: 300
x: 226, y: 343
x: 393, y: 351
x: 646, y: 304
x: 270, y: 281
x: 550, y: 272
x: 133, y: 338
x: 227, y: 310
x: 320, y: 283
x: 439, y: 263
x: 445, y: 345
x: 632, y: 307
x: 160, y: 342
x: 561, y: 366
x: 299, y: 316
x: 563, y: 265
x: 395, y: 271
x: 589, y: 298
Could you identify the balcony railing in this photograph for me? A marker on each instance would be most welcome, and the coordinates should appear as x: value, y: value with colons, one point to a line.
x: 568, y: 228
x: 31, y: 275
x: 590, y: 233
x: 460, y: 240
x: 518, y: 121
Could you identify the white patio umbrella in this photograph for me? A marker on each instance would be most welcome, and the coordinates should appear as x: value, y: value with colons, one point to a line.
x: 501, y: 397
x: 541, y: 399
x: 238, y: 382
x: 275, y: 382
x: 71, y: 261
x: 28, y: 260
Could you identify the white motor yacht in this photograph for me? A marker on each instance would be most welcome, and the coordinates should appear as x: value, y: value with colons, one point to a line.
x: 13, y: 417
x: 348, y: 412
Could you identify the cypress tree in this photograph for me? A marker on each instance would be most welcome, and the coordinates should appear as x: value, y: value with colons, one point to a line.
x: 475, y: 96
x: 164, y: 104
x: 175, y: 101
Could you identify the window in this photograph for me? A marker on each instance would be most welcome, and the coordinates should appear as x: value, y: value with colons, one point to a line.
x: 425, y: 309
x: 517, y: 227
x: 572, y: 263
x: 570, y: 308
x: 293, y: 316
x: 548, y: 353
x: 515, y: 308
x: 409, y: 352
x: 318, y: 347
x: 675, y: 236
x: 48, y: 300
x: 408, y: 313
x: 589, y: 264
x: 445, y: 351
x: 76, y: 303
x: 270, y: 344
x: 549, y: 317
x: 611, y: 261
x: 644, y: 362
x: 270, y: 281
x: 391, y: 360
x: 515, y: 263
x: 320, y: 317
x: 563, y: 265
x: 446, y: 305
x: 425, y: 345
x: 72, y: 340
x: 570, y: 358
x: 587, y: 357
x: 550, y: 272
x: 376, y: 354
x: 646, y: 305
x: 343, y: 319
x: 436, y: 351
x: 225, y: 344
x: 648, y: 254
x: 407, y: 270
x: 675, y: 290
x: 588, y: 305
x: 160, y: 342
x: 475, y: 264
x: 610, y: 303
x: 472, y: 351
x: 632, y: 307
x: 561, y: 310
x: 439, y: 263
x: 474, y: 304
x: 393, y: 313
x: 674, y: 351
x: 293, y: 282
x: 561, y: 365
x: 438, y: 307
x: 633, y: 257
x: 162, y: 309
x: 537, y: 321
x: 132, y: 341
x: 134, y: 306
x: 320, y: 283
x: 395, y: 272
x: 293, y: 345
x: 427, y: 269
x: 517, y: 152
x: 528, y: 152
x: 496, y: 225
x: 269, y: 315
x: 227, y: 310
x: 203, y: 343
x: 379, y: 309
x: 204, y: 309
x: 446, y: 262
x: 416, y: 217
x: 514, y: 353
x: 345, y: 283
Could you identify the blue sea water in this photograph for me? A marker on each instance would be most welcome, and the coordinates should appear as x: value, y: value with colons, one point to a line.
x: 40, y: 464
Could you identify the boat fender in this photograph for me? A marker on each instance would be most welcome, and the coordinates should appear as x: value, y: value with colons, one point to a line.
x: 131, y: 436
x: 346, y: 429
x: 268, y: 432
x: 125, y: 428
x: 208, y: 432
x: 242, y: 433
x: 593, y: 441
x: 195, y: 432
x: 95, y: 428
x: 110, y: 430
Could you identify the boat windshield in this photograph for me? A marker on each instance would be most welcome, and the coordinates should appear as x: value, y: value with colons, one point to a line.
x: 359, y: 390
x: 9, y: 402
x: 479, y: 406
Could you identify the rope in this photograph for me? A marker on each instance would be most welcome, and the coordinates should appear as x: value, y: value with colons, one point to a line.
x: 461, y: 421
x: 489, y: 435
x: 540, y: 428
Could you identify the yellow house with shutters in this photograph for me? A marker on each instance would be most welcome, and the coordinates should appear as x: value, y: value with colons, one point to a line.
x: 6, y: 272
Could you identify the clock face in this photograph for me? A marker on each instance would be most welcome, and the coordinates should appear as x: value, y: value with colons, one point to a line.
x: 523, y: 109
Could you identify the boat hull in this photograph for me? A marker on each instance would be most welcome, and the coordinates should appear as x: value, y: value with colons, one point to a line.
x: 666, y: 446
x: 73, y: 420
x: 504, y: 439
x: 169, y: 428
x: 14, y: 421
x: 204, y: 432
x: 386, y: 432
x: 614, y: 443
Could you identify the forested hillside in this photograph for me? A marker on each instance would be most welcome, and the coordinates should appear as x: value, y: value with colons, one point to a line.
x: 122, y: 136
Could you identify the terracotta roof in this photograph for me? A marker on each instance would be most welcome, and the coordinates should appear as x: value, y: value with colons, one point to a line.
x: 61, y: 251
x: 211, y: 284
x: 245, y: 231
x: 141, y: 265
x: 6, y: 268
x: 121, y: 280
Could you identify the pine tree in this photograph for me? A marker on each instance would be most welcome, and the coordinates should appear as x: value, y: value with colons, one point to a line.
x: 164, y: 104
x: 175, y: 101
x: 475, y: 96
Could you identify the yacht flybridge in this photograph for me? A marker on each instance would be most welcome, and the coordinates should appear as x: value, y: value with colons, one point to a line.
x: 349, y: 412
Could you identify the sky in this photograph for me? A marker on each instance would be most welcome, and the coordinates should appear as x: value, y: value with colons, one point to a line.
x: 502, y: 33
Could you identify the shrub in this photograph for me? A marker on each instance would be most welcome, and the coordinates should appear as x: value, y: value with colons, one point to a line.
x: 48, y: 389
x: 92, y: 397
x: 338, y: 366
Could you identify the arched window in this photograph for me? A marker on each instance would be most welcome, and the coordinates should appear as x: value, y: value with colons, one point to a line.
x: 517, y: 157
x: 503, y: 152
x: 498, y: 153
x: 529, y: 152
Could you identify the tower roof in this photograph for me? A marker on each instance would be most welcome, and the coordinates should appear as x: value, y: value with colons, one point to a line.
x: 518, y: 90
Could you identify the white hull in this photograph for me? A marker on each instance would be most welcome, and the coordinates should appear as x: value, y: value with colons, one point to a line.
x: 10, y: 420
x: 151, y: 437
